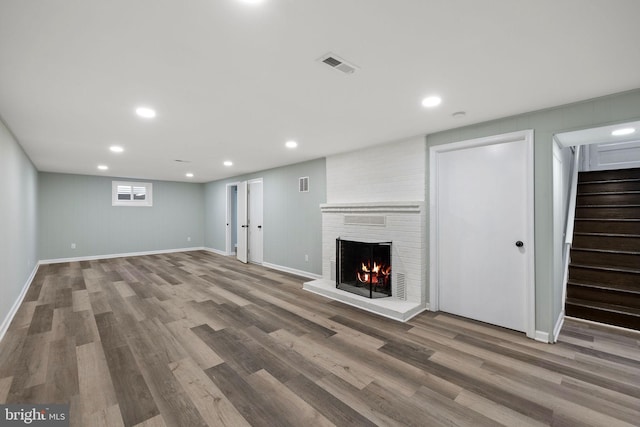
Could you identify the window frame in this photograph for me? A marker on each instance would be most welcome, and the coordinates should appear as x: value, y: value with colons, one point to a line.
x: 147, y: 202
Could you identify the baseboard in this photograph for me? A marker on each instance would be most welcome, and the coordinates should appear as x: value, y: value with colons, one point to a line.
x: 216, y: 251
x: 542, y: 337
x: 16, y: 305
x: 128, y: 254
x: 558, y: 327
x: 292, y: 271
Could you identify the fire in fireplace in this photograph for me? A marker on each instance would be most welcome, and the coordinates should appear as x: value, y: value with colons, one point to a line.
x: 364, y: 268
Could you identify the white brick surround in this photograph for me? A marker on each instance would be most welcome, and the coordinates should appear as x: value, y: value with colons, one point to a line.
x: 377, y: 195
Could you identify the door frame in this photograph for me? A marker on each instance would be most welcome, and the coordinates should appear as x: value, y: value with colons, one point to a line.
x: 249, y: 182
x: 228, y: 219
x: 434, y: 282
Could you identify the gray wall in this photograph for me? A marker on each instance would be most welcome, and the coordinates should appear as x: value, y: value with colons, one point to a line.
x: 18, y: 219
x: 598, y: 112
x: 77, y: 209
x: 292, y: 220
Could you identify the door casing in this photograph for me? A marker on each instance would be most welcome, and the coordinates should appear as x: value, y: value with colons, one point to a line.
x: 434, y: 284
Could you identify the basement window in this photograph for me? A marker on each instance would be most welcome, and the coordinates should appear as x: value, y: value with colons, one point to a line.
x: 131, y: 193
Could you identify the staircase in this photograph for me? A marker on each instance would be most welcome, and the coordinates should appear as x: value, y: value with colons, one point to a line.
x: 604, y: 273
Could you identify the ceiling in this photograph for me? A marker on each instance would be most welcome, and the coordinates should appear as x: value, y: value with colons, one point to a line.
x: 234, y: 81
x: 599, y: 135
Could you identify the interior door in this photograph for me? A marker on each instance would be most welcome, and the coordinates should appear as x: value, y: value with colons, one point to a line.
x: 242, y: 222
x: 255, y: 221
x: 483, y: 248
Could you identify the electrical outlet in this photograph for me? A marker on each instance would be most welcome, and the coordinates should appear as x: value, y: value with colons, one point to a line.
x: 73, y: 246
x: 306, y: 258
x: 189, y: 239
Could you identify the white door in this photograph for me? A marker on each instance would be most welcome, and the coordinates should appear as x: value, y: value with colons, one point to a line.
x: 484, y: 236
x: 255, y: 221
x: 614, y: 155
x: 242, y: 221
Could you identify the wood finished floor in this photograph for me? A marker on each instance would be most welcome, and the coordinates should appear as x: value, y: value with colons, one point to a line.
x: 195, y: 339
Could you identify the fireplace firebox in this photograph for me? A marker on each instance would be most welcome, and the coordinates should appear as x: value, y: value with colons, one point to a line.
x: 364, y: 268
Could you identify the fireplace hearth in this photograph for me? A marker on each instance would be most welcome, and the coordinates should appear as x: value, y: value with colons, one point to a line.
x: 364, y: 268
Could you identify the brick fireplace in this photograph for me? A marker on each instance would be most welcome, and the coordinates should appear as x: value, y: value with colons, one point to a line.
x: 377, y: 195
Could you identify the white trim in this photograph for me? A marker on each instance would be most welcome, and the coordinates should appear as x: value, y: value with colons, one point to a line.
x: 16, y: 305
x: 527, y: 137
x: 109, y: 256
x: 542, y: 337
x: 377, y: 207
x: 228, y: 222
x: 558, y: 327
x: 291, y: 270
x: 216, y: 251
x: 148, y: 188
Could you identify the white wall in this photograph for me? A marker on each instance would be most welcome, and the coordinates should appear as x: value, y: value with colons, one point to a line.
x: 18, y: 222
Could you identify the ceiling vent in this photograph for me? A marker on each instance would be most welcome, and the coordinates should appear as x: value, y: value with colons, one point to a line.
x: 337, y: 63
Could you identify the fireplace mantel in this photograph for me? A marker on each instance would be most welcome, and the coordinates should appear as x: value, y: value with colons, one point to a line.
x: 373, y: 207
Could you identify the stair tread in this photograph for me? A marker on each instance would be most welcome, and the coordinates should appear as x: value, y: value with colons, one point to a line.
x: 584, y: 233
x: 605, y: 251
x: 620, y: 206
x: 610, y: 219
x: 609, y: 181
x: 607, y: 268
x: 605, y: 306
x: 602, y: 286
x: 609, y: 193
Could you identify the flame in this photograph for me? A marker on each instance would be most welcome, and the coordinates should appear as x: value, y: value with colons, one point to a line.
x: 378, y: 274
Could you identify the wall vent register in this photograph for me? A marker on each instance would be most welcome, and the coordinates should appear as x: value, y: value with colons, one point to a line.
x: 303, y: 184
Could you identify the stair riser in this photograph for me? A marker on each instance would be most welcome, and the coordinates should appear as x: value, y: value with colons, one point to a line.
x: 609, y: 174
x: 601, y: 212
x: 603, y: 276
x: 607, y: 243
x: 602, y: 187
x: 613, y: 227
x: 595, y: 315
x: 601, y: 295
x: 604, y: 259
x: 608, y: 199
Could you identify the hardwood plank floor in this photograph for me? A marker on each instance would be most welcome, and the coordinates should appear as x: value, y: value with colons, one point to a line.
x: 194, y: 339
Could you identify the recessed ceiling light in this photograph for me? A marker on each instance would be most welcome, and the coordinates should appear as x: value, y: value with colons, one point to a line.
x: 623, y: 131
x: 291, y: 144
x: 459, y: 114
x: 228, y: 163
x: 431, y: 101
x: 189, y: 175
x: 252, y: 1
x: 103, y: 167
x: 116, y: 149
x: 146, y: 112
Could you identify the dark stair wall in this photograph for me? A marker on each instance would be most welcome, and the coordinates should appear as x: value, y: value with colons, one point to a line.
x: 604, y: 273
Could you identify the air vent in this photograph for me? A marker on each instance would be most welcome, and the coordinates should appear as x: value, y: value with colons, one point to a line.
x: 401, y: 287
x: 303, y: 184
x: 365, y: 220
x: 338, y: 63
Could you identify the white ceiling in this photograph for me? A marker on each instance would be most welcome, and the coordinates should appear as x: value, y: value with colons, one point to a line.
x: 599, y: 135
x: 235, y: 81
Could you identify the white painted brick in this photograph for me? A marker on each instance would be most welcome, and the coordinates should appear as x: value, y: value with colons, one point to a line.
x: 390, y: 172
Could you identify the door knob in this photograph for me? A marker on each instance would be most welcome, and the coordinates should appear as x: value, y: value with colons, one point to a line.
x: 519, y: 243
